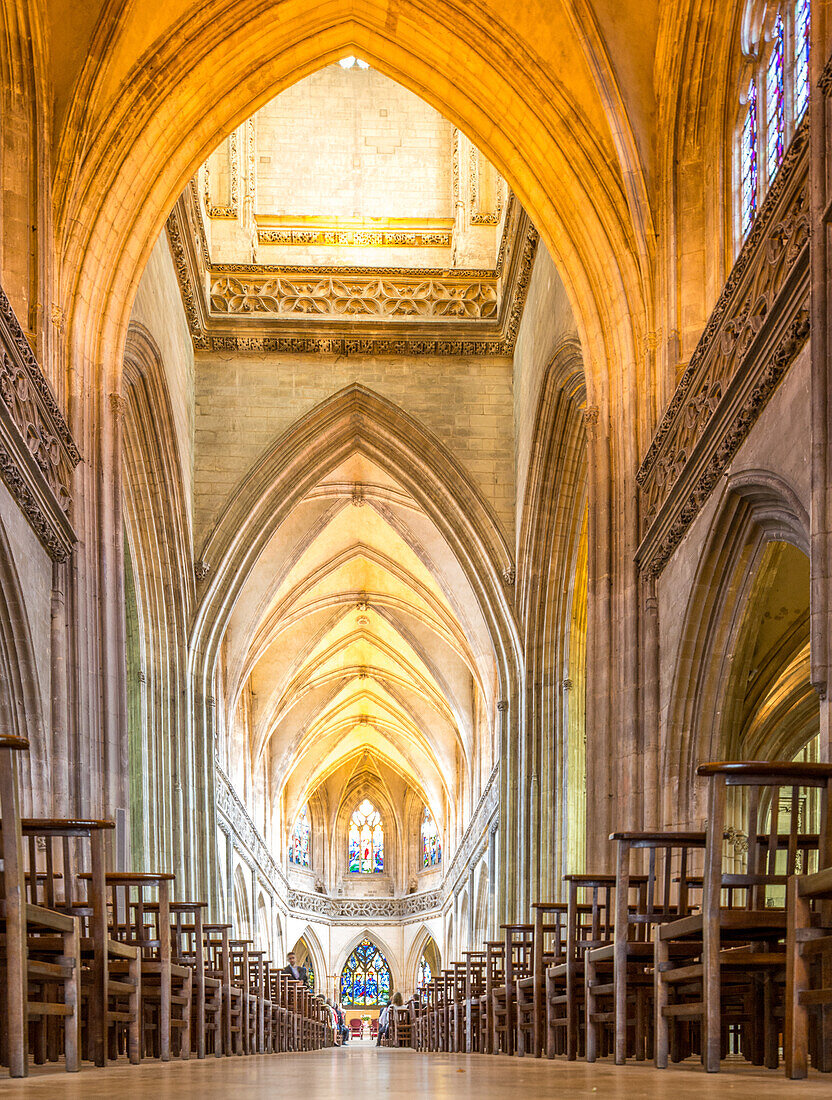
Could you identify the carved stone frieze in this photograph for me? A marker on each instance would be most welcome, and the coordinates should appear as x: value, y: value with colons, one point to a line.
x: 37, y: 451
x: 342, y: 311
x: 358, y: 296
x: 230, y: 209
x: 483, y: 821
x: 335, y: 237
x: 754, y: 333
x: 364, y: 909
x: 246, y: 833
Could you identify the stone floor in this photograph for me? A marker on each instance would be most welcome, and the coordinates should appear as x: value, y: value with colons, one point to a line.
x: 363, y: 1072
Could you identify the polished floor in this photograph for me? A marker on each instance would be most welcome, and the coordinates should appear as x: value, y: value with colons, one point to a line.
x: 363, y: 1072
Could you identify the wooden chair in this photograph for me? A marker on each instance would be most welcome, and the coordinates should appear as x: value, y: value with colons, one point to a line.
x: 189, y: 948
x: 475, y: 963
x: 41, y: 983
x: 218, y: 965
x: 619, y: 976
x: 400, y: 1026
x: 549, y: 949
x: 518, y: 964
x: 809, y: 974
x: 57, y: 850
x: 494, y: 977
x: 588, y: 925
x: 457, y: 1007
x: 737, y: 941
x: 140, y: 915
x: 241, y: 979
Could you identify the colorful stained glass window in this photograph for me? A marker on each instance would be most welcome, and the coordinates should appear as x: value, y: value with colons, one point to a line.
x: 775, y: 101
x: 365, y: 979
x: 299, y: 844
x: 424, y: 973
x: 748, y: 160
x: 801, y: 58
x: 431, y: 844
x: 366, y: 841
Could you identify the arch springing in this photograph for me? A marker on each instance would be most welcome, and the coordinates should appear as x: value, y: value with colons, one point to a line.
x: 299, y: 843
x: 431, y: 844
x: 365, y: 979
x: 366, y: 840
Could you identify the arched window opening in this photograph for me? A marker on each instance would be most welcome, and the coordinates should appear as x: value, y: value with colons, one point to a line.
x: 299, y: 844
x: 304, y: 958
x: 366, y: 840
x: 431, y: 844
x: 365, y: 979
x: 748, y: 155
x: 775, y: 94
x: 773, y: 103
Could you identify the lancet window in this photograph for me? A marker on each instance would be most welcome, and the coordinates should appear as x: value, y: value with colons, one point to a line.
x: 431, y: 844
x: 365, y: 979
x: 773, y: 101
x: 366, y: 840
x: 299, y: 843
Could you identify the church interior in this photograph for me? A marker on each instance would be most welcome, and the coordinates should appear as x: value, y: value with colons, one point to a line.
x: 415, y: 547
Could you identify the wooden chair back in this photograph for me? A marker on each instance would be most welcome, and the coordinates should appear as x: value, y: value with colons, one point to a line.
x: 769, y: 788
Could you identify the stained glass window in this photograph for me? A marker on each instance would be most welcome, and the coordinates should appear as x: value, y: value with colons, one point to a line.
x: 748, y: 160
x: 365, y: 979
x: 366, y: 846
x: 775, y: 101
x: 424, y: 973
x: 801, y: 58
x: 299, y: 844
x: 431, y: 844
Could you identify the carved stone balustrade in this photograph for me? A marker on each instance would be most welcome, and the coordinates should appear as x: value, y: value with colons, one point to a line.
x: 754, y: 333
x: 37, y: 451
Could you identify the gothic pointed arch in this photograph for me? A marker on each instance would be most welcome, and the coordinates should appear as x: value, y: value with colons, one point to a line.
x: 759, y: 512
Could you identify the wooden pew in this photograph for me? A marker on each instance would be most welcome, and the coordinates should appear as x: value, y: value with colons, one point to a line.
x: 739, y: 945
x: 518, y: 964
x: 549, y: 949
x: 189, y: 947
x: 41, y: 983
x: 809, y: 974
x: 111, y: 976
x: 218, y: 965
x: 140, y: 915
x: 619, y: 976
x: 475, y: 962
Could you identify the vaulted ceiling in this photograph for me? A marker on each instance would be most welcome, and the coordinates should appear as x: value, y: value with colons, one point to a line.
x: 356, y: 633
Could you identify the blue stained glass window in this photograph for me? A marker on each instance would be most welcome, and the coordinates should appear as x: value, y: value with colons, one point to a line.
x: 365, y: 979
x: 775, y: 101
x: 431, y: 844
x: 366, y: 840
x: 748, y: 160
x: 299, y: 844
x: 801, y: 58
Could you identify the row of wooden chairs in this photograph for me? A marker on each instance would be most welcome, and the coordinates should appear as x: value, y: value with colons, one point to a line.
x: 98, y: 965
x: 713, y: 944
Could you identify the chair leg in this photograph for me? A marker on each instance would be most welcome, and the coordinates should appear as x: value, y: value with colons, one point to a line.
x: 660, y: 996
x: 589, y: 997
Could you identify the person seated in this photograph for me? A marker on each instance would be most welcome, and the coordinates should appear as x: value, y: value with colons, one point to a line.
x: 299, y: 973
x: 384, y: 1018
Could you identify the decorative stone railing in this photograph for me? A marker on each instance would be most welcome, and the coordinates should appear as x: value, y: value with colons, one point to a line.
x: 234, y: 816
x: 37, y: 451
x: 483, y: 821
x: 755, y: 332
x: 361, y: 909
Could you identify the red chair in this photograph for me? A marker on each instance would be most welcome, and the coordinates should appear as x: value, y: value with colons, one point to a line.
x: 355, y: 1028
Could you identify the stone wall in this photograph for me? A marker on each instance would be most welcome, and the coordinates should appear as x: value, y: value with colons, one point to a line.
x: 245, y: 402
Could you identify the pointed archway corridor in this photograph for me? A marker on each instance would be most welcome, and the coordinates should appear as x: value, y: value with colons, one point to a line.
x: 415, y: 547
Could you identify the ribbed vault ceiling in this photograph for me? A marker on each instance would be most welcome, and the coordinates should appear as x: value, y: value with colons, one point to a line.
x: 360, y: 637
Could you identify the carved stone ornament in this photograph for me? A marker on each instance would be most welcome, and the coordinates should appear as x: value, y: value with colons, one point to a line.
x: 37, y: 451
x: 342, y: 310
x: 509, y: 576
x: 201, y: 569
x: 754, y: 334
